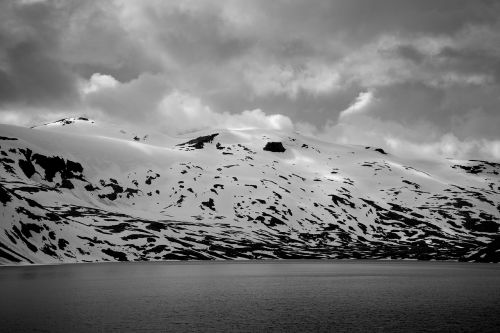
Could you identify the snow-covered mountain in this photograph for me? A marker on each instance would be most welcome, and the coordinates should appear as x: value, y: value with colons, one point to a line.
x: 76, y: 191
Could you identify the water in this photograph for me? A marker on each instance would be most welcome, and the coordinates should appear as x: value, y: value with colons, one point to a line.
x: 283, y: 296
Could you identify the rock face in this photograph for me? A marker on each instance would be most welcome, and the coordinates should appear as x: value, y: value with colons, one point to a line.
x: 198, y: 143
x: 275, y: 147
x: 83, y: 198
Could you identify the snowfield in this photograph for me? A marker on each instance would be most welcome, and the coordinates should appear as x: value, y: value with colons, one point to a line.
x: 79, y: 191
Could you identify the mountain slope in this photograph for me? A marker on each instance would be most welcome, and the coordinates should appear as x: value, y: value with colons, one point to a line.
x: 77, y: 191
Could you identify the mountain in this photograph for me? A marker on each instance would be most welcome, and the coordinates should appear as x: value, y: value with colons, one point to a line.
x: 77, y: 190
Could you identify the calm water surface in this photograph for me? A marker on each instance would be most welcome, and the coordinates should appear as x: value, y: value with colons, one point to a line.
x: 283, y: 296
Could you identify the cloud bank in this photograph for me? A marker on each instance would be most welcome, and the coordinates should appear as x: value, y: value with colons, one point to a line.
x: 416, y: 77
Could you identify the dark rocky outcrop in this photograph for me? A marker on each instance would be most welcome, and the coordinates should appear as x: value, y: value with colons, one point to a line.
x: 26, y: 165
x: 275, y: 147
x: 4, y: 195
x: 488, y: 253
x: 210, y: 204
x: 198, y: 143
x: 117, y: 255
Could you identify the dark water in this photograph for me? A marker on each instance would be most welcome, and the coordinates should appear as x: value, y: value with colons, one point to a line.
x: 289, y: 296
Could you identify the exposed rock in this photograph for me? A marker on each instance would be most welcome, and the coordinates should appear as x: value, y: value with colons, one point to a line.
x: 380, y: 150
x: 5, y: 197
x: 199, y: 142
x: 275, y: 147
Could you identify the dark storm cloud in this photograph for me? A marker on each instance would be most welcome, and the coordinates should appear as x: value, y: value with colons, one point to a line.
x: 408, y: 16
x: 194, y: 38
x: 30, y: 70
x: 425, y: 66
x: 411, y: 53
x: 47, y: 47
x: 37, y: 77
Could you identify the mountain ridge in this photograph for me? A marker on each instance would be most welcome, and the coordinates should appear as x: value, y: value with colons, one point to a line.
x: 81, y: 191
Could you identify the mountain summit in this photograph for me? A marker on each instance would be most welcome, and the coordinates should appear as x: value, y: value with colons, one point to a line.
x: 79, y: 191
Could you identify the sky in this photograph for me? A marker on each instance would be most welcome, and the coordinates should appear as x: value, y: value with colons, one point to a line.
x: 418, y: 78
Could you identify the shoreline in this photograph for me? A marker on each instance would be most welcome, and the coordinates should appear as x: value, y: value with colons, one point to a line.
x: 251, y: 262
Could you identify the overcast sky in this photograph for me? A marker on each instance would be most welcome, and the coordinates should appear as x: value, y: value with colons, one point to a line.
x: 415, y: 77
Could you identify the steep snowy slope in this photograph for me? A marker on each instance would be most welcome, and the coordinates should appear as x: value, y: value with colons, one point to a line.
x: 76, y: 190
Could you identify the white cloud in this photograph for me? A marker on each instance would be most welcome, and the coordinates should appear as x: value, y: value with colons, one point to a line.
x: 152, y: 103
x: 99, y: 81
x: 381, y: 63
x: 14, y: 118
x: 180, y: 112
x: 134, y: 101
x: 360, y: 105
x: 274, y: 79
x: 258, y: 119
x: 448, y: 146
x: 419, y: 140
